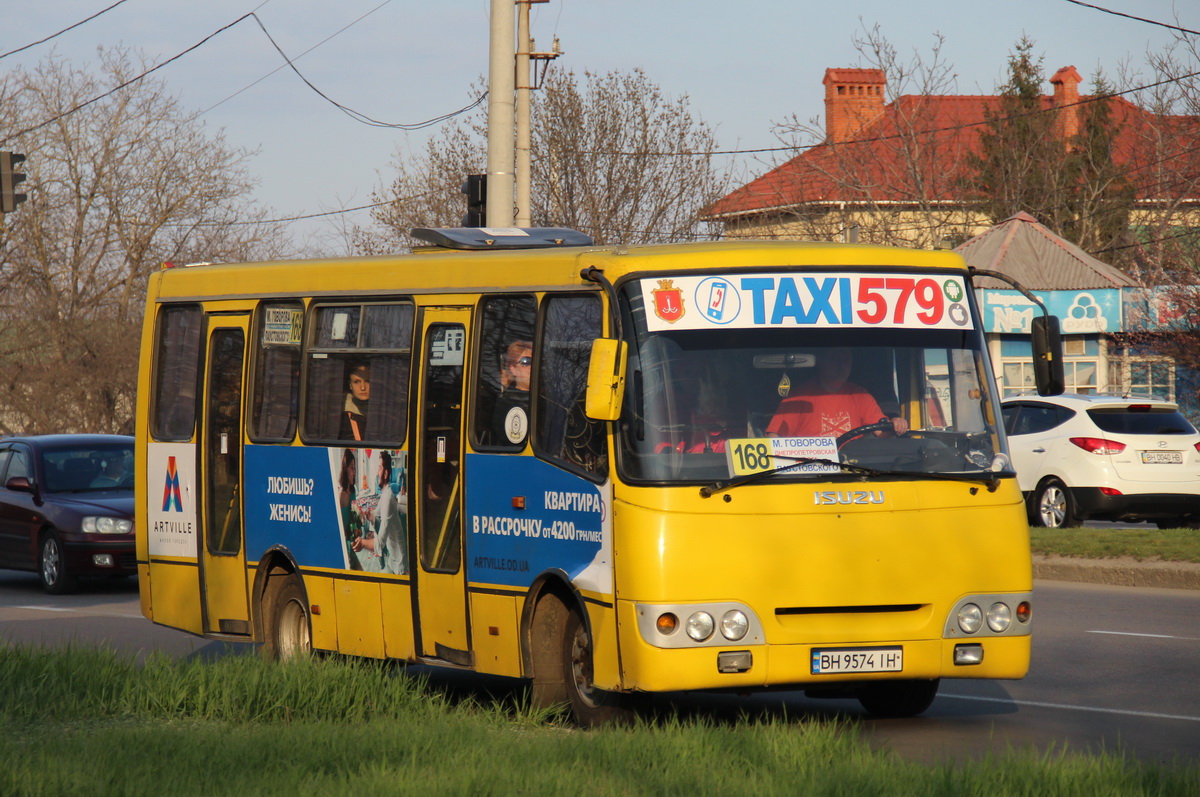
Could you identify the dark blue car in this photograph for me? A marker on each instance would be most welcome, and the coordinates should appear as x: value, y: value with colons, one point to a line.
x: 66, y: 507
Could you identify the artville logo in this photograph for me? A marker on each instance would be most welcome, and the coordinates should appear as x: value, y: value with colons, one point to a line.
x: 171, y: 494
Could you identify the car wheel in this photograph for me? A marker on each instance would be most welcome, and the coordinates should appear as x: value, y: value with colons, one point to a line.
x: 1053, y: 506
x: 52, y: 565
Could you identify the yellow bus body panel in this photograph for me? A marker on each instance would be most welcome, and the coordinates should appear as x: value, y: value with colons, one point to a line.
x: 359, y: 618
x: 496, y: 633
x: 803, y: 568
x: 398, y: 641
x: 320, y: 591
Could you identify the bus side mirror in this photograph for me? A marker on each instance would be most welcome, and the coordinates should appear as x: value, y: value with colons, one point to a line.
x: 1047, y: 355
x: 606, y: 379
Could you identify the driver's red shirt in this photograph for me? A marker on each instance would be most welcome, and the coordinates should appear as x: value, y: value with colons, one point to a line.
x: 811, y: 412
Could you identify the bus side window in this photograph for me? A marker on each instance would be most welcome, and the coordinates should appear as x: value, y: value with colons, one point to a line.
x: 356, y: 385
x: 276, y: 398
x: 506, y: 335
x: 564, y: 432
x: 177, y: 370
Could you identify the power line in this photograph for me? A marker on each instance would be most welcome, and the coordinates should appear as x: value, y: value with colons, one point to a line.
x: 129, y: 82
x: 61, y: 32
x: 1136, y: 19
x: 352, y: 113
x: 356, y: 115
x: 336, y: 33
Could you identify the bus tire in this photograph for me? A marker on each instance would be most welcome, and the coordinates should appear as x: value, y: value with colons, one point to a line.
x: 289, y: 627
x: 898, y: 698
x: 562, y: 668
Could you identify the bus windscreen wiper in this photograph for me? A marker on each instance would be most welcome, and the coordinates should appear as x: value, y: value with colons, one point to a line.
x: 725, y: 484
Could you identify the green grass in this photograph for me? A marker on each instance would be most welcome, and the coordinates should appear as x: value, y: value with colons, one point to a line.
x: 1174, y: 545
x: 88, y: 722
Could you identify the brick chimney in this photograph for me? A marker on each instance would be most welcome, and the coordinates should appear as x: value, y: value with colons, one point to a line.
x: 853, y: 99
x: 1066, y: 93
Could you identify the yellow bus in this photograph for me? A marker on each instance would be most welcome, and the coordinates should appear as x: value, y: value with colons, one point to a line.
x: 609, y: 470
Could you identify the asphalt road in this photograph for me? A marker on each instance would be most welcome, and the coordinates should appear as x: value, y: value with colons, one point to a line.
x: 1114, y: 668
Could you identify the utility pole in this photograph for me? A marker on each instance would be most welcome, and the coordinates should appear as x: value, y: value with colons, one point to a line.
x: 526, y: 84
x: 501, y: 85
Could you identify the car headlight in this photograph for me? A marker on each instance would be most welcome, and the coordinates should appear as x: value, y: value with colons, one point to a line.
x: 107, y: 525
x: 970, y: 618
x: 700, y: 626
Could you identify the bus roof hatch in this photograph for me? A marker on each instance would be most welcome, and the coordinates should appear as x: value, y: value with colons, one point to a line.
x: 501, y: 237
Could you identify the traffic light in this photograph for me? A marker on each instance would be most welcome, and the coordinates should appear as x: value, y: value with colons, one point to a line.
x: 476, y: 190
x: 9, y: 198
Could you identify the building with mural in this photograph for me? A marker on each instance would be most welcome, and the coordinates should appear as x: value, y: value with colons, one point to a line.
x: 1095, y: 303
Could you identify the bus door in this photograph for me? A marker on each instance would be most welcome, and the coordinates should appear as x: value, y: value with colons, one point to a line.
x: 222, y: 553
x: 440, y: 578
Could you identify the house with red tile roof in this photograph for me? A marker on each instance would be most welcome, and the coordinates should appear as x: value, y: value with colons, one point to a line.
x: 899, y: 171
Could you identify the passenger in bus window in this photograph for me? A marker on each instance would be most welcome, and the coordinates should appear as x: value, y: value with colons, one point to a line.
x: 828, y: 404
x: 354, y: 412
x: 510, y: 417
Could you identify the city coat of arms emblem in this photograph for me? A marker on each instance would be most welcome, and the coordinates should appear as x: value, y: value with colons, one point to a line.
x: 668, y: 301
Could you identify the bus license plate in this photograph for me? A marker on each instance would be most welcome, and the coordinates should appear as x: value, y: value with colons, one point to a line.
x: 1162, y: 458
x: 844, y: 660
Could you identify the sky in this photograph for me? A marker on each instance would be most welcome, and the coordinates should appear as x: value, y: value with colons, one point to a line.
x: 744, y: 66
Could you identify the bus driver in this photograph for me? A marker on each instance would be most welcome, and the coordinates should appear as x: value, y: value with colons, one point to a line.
x: 828, y: 404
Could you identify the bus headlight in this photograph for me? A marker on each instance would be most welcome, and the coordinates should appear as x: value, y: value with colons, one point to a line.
x: 970, y: 618
x: 999, y: 617
x: 734, y: 625
x: 700, y: 626
x: 709, y: 624
x: 106, y: 525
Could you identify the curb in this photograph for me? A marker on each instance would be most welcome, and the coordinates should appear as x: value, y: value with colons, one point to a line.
x: 1122, y: 571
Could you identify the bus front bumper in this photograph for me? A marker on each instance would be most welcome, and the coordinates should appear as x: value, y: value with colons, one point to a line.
x: 807, y: 666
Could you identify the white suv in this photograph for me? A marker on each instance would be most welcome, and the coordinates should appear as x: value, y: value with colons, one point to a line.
x: 1104, y: 457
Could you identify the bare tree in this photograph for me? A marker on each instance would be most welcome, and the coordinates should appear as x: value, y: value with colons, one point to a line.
x: 116, y: 187
x: 615, y: 158
x: 1164, y: 167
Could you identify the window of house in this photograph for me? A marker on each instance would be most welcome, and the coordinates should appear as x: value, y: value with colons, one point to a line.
x: 356, y: 383
x: 1081, y: 375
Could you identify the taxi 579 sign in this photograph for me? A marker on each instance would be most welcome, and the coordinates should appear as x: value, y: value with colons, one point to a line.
x: 908, y: 301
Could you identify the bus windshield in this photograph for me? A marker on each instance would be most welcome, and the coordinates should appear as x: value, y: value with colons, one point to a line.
x: 706, y: 404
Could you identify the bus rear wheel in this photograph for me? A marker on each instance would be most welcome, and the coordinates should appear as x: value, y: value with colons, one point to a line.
x: 562, y: 665
x: 289, y: 629
x: 898, y: 698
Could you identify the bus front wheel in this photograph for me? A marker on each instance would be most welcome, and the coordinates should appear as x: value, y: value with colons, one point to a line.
x: 562, y: 668
x: 289, y: 632
x: 898, y: 698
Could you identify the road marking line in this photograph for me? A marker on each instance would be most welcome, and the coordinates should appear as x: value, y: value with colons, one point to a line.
x: 1131, y: 633
x: 1038, y: 704
x: 73, y: 611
